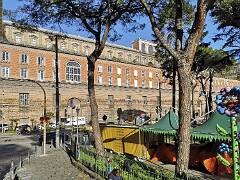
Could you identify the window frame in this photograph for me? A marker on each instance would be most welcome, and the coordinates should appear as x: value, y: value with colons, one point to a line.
x: 23, y: 99
x: 73, y: 71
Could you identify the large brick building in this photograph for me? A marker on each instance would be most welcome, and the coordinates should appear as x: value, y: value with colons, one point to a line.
x: 126, y: 78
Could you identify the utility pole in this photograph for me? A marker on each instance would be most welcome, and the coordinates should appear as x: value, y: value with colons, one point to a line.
x: 160, y: 100
x: 57, y: 92
x: 1, y: 20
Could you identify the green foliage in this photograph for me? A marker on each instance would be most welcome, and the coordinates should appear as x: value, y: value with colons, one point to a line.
x: 227, y: 14
x: 209, y: 58
x: 49, y: 115
x: 138, y: 170
x: 14, y: 123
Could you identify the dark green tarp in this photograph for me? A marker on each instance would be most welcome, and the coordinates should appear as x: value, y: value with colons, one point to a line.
x: 208, y: 130
x: 166, y: 125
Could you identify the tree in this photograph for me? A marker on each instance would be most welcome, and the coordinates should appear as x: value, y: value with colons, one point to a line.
x: 207, y: 63
x: 98, y: 18
x: 227, y: 16
x: 166, y: 23
x: 184, y: 54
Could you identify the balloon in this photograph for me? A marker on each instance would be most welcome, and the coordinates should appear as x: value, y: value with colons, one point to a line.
x: 219, y: 97
x: 227, y: 112
x: 218, y: 101
x: 237, y: 109
x: 221, y: 110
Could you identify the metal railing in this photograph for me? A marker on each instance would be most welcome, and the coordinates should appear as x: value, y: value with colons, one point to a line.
x: 128, y: 168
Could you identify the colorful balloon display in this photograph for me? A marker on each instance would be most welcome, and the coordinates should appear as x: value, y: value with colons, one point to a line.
x: 228, y: 101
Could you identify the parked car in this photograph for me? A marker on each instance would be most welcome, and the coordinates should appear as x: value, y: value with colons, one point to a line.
x: 5, y: 127
x: 24, y: 129
x: 52, y: 125
x: 50, y: 136
x: 73, y: 121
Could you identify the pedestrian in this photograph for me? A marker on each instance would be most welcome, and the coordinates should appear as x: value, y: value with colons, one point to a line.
x: 114, y: 175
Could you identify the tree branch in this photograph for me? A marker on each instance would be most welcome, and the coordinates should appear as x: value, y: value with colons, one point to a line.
x: 158, y: 33
x: 197, y: 28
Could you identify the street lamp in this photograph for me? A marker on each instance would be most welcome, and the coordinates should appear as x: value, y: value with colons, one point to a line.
x: 77, y: 110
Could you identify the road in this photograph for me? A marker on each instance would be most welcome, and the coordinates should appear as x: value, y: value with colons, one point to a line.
x: 11, y: 146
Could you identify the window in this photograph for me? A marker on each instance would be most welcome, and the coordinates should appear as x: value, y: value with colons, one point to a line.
x: 110, y: 54
x: 129, y: 99
x: 143, y: 83
x: 143, y: 47
x: 144, y: 99
x: 120, y: 55
x: 119, y: 81
x: 63, y: 45
x: 48, y: 43
x: 143, y: 72
x: 135, y: 73
x: 23, y: 73
x: 24, y: 59
x: 24, y: 99
x: 129, y: 58
x: 5, y: 56
x: 111, y: 99
x: 110, y: 81
x: 109, y: 69
x: 75, y: 47
x: 157, y: 74
x: 100, y: 80
x: 40, y: 75
x: 18, y: 37
x: 40, y: 60
x: 73, y: 71
x: 127, y: 71
x: 150, y: 49
x: 86, y: 50
x: 150, y: 74
x: 128, y: 83
x: 135, y: 83
x: 157, y: 84
x: 150, y: 84
x: 118, y: 70
x: 5, y: 72
x: 34, y: 40
x: 100, y: 69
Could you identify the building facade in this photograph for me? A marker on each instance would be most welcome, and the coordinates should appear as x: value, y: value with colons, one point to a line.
x: 126, y: 78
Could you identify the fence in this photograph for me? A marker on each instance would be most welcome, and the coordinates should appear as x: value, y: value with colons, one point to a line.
x: 128, y: 168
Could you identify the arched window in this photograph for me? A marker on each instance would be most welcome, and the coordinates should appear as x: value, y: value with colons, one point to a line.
x: 73, y: 71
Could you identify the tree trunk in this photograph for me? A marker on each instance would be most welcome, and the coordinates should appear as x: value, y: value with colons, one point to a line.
x: 210, y: 90
x: 193, y: 107
x: 174, y: 86
x: 185, y: 89
x: 94, y: 107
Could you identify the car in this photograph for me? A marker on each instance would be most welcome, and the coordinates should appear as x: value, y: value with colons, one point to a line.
x: 52, y: 125
x: 24, y: 129
x: 73, y: 121
x: 50, y: 137
x: 5, y: 127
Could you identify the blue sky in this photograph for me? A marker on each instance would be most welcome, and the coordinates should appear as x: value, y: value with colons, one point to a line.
x: 128, y: 38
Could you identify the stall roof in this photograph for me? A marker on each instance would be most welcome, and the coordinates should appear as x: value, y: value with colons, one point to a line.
x: 208, y: 130
x: 166, y: 125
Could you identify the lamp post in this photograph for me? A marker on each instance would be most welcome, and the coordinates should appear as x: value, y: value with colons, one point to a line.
x: 57, y: 92
x: 77, y: 110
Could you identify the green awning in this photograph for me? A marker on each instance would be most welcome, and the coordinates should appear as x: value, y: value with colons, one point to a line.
x: 208, y: 130
x: 166, y: 125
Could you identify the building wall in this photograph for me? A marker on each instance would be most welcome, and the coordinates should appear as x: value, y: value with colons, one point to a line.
x: 73, y: 48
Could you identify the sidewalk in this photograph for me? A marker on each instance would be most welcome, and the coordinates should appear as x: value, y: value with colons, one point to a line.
x: 56, y: 165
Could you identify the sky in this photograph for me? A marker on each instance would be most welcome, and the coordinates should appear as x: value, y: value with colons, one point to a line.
x: 129, y: 37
